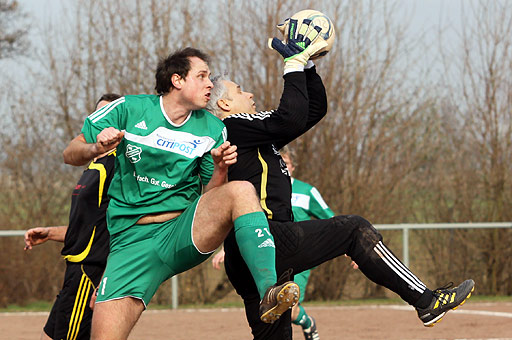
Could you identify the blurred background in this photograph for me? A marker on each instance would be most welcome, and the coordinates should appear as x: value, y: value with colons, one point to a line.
x: 419, y: 128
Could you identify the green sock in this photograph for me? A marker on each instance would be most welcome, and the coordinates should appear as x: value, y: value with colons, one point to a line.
x: 302, y: 319
x: 257, y: 247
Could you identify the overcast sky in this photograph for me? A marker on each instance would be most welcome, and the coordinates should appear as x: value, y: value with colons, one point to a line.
x: 425, y: 16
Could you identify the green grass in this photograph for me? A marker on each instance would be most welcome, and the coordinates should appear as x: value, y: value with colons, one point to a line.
x: 37, y: 306
x: 44, y: 306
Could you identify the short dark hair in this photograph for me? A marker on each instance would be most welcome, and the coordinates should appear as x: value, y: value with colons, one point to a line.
x: 109, y: 97
x: 176, y: 63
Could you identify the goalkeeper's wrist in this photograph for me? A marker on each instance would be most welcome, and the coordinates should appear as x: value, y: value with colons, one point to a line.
x: 310, y: 64
x: 293, y: 66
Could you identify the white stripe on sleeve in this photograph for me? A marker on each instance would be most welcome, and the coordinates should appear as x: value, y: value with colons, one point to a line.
x: 319, y: 199
x: 103, y: 114
x: 104, y: 108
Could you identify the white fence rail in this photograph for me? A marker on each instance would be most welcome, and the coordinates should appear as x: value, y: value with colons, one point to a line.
x: 405, y: 227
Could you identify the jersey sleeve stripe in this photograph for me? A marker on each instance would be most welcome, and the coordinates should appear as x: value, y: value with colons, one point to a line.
x: 319, y: 199
x: 95, y: 116
x: 104, y: 108
x: 252, y: 116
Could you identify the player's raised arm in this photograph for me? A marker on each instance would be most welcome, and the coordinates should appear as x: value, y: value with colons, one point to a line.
x: 79, y: 152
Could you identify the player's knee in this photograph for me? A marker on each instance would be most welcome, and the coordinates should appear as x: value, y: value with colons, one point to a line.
x: 364, y: 237
x: 361, y: 228
x: 240, y: 190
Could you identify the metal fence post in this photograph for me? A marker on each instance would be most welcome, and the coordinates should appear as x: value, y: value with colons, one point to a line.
x: 405, y: 242
x: 174, y: 289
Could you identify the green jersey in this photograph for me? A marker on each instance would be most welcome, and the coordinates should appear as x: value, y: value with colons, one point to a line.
x: 160, y: 166
x: 307, y: 202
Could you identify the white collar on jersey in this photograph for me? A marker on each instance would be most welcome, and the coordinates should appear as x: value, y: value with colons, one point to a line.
x: 167, y: 117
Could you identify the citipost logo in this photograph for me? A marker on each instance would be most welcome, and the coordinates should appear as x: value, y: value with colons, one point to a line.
x: 133, y: 153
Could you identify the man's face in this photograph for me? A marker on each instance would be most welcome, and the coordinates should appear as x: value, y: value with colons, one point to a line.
x: 289, y: 164
x: 197, y: 85
x: 238, y: 100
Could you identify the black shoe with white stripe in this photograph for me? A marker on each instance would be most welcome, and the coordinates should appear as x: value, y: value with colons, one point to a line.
x: 311, y: 333
x: 444, y: 300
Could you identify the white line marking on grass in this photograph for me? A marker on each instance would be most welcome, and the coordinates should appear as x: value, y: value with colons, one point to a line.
x: 481, y: 339
x: 459, y: 311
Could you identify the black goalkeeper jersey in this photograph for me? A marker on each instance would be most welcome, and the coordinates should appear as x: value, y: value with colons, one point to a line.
x: 87, y: 237
x: 259, y: 136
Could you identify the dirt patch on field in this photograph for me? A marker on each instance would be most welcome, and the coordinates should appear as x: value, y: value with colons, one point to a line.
x: 472, y: 321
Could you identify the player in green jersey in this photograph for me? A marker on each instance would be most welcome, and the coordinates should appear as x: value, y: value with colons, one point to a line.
x: 168, y: 150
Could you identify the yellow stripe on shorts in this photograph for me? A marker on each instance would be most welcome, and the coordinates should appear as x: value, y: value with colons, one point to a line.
x: 79, y: 307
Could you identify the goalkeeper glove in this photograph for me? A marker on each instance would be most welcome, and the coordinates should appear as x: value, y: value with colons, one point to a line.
x: 300, y: 45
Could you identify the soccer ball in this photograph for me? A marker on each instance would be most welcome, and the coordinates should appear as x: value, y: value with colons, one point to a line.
x: 319, y: 19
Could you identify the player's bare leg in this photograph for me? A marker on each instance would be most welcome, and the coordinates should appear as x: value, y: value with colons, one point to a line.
x: 114, y: 319
x: 216, y: 211
x: 44, y: 336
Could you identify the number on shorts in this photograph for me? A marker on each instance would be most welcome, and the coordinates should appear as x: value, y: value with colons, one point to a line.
x: 103, y: 286
x: 260, y: 232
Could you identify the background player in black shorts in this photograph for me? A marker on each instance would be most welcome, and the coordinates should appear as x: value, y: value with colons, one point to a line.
x: 304, y: 245
x: 86, y: 247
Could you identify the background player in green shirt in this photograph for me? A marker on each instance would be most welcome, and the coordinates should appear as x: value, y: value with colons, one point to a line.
x: 168, y: 149
x: 307, y: 203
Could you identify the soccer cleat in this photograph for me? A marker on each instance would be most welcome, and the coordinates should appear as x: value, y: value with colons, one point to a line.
x: 445, y: 299
x: 277, y: 300
x: 311, y: 333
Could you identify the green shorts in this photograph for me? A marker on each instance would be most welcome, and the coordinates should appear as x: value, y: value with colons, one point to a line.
x: 301, y: 280
x: 145, y: 255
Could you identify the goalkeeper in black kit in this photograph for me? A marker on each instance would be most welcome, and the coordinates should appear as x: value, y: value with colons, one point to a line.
x: 304, y: 245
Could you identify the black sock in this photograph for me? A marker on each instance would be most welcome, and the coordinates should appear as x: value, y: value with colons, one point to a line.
x: 425, y: 299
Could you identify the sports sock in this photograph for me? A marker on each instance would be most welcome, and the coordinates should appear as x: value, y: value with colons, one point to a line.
x: 425, y: 299
x: 382, y: 267
x: 302, y: 319
x: 256, y: 245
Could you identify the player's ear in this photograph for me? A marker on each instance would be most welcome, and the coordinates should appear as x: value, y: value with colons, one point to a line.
x: 177, y: 81
x: 224, y: 104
